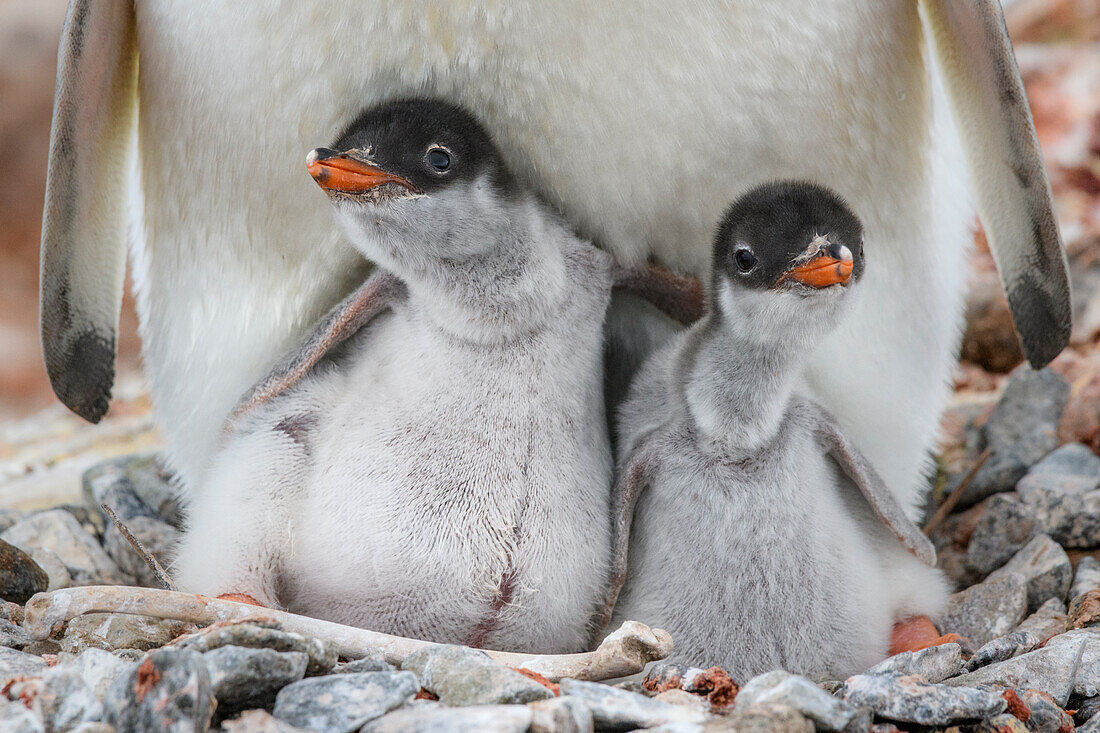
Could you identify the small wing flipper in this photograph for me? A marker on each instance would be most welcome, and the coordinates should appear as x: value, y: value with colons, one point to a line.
x: 375, y: 296
x: 1002, y: 153
x: 677, y: 296
x: 869, y: 483
x: 83, y: 258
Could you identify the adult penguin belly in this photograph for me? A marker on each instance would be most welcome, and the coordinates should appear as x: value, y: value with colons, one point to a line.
x: 641, y: 126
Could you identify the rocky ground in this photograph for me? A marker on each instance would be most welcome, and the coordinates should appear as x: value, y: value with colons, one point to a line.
x: 1015, y: 516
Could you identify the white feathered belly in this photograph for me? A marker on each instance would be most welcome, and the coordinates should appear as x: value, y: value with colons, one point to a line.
x: 641, y: 123
x: 457, y: 496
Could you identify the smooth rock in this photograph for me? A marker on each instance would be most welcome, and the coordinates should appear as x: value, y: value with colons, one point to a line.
x: 1045, y: 567
x: 762, y: 718
x: 56, y: 571
x: 18, y: 664
x: 1006, y: 525
x: 1072, y: 469
x: 560, y: 715
x: 617, y: 709
x: 827, y: 712
x: 343, y: 703
x: 459, y: 676
x: 1051, y: 669
x: 250, y: 678
x: 58, y: 530
x: 110, y: 631
x: 1046, y: 716
x: 480, y: 719
x: 60, y: 698
x: 1050, y: 620
x: 16, y: 718
x: 912, y: 700
x: 257, y: 721
x: 257, y: 635
x: 10, y: 517
x: 985, y: 611
x: 100, y: 669
x: 1000, y: 649
x: 934, y: 664
x: 168, y: 691
x: 1021, y: 430
x: 20, y: 576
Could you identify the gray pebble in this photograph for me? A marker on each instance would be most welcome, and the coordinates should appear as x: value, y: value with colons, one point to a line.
x: 1087, y: 679
x: 1072, y: 469
x: 1006, y: 525
x: 616, y: 709
x: 60, y: 698
x: 1051, y: 669
x: 20, y: 576
x: 560, y: 715
x: 250, y: 678
x: 912, y: 700
x: 110, y: 631
x: 100, y: 669
x: 1045, y: 567
x: 1046, y: 717
x: 1092, y: 725
x: 13, y: 636
x: 18, y: 664
x: 1022, y: 429
x: 985, y: 611
x: 459, y: 675
x: 480, y: 719
x: 57, y: 530
x: 827, y: 712
x: 255, y: 635
x: 168, y: 691
x: 762, y: 718
x: 94, y: 727
x: 343, y: 703
x: 1086, y: 707
x: 10, y: 517
x: 1050, y: 620
x: 132, y: 486
x: 1086, y: 576
x: 1002, y: 648
x: 934, y: 664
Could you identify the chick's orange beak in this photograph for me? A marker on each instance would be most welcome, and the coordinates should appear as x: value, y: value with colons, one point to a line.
x: 340, y: 172
x: 822, y: 271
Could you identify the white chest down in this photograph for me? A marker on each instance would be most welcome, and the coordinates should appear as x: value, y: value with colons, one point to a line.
x: 421, y: 485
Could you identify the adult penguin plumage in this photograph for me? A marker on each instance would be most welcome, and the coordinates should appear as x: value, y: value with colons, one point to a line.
x: 638, y: 126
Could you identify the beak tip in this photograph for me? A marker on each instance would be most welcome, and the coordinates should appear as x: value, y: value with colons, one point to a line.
x: 312, y: 157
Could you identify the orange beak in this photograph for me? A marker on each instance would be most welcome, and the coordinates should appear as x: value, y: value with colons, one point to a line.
x: 339, y: 172
x: 822, y: 271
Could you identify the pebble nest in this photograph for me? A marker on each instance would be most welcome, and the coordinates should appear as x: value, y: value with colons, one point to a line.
x: 1018, y: 534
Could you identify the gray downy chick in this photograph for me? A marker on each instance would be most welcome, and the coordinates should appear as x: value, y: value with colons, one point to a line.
x: 433, y: 461
x: 761, y: 538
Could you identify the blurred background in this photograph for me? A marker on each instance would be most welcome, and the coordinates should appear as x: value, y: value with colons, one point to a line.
x: 1057, y: 42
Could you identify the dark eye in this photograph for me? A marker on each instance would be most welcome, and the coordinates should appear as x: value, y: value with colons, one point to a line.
x: 745, y: 259
x: 439, y: 159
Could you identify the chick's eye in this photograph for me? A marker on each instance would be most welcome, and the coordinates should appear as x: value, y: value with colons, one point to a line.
x: 439, y: 159
x: 745, y: 259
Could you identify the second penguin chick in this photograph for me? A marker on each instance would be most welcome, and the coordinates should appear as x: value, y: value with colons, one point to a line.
x: 761, y: 538
x: 444, y: 473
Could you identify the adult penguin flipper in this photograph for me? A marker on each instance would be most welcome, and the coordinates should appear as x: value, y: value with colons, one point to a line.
x: 1012, y: 193
x: 375, y: 296
x: 870, y: 484
x: 83, y: 257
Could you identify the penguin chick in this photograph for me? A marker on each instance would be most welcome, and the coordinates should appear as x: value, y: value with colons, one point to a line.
x: 444, y: 473
x: 761, y: 538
